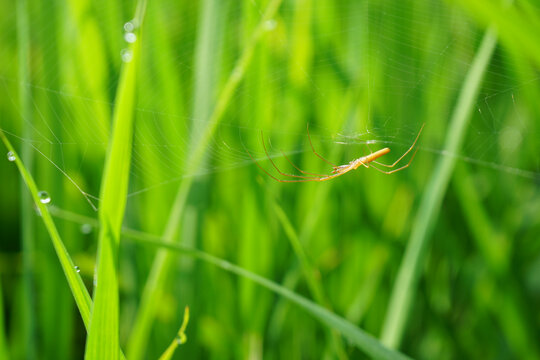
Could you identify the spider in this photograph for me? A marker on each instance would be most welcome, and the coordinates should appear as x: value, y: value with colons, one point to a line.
x: 337, y: 170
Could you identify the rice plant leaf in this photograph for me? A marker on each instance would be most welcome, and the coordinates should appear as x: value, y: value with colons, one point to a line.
x: 517, y: 28
x: 102, y: 341
x: 414, y: 258
x: 361, y: 339
x: 79, y: 291
x: 180, y: 338
x: 3, y: 340
x: 160, y: 266
x: 27, y: 216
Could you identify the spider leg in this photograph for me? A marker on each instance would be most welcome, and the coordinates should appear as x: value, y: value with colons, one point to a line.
x: 277, y: 168
x: 404, y: 154
x: 338, y: 170
x: 365, y: 164
x: 395, y: 170
x: 297, y: 168
x: 322, y: 178
x: 272, y: 176
x: 313, y: 149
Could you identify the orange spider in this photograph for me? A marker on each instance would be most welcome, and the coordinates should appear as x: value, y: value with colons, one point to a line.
x: 337, y: 170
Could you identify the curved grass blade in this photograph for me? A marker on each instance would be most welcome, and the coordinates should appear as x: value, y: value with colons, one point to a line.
x: 102, y: 341
x: 361, y: 339
x: 27, y: 216
x: 79, y: 291
x: 413, y: 261
x: 180, y: 338
x: 161, y: 264
x: 309, y: 272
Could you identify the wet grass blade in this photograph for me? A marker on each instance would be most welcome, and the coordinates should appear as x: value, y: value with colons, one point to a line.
x: 102, y: 341
x: 180, y: 338
x: 79, y: 291
x: 414, y: 259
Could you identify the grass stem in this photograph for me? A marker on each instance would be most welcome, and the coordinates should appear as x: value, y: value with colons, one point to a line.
x: 409, y: 272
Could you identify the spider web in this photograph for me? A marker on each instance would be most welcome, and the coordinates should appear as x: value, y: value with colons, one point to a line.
x: 360, y: 73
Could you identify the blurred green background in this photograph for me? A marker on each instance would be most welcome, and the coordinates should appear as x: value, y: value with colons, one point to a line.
x: 359, y: 72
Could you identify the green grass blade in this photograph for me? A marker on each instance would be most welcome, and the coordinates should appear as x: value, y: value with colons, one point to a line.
x: 160, y: 266
x: 361, y: 339
x: 232, y: 84
x: 180, y: 338
x: 413, y: 261
x: 508, y: 310
x: 80, y: 293
x: 78, y: 289
x: 27, y: 216
x: 103, y: 341
x: 492, y: 245
x: 3, y: 341
x: 308, y: 270
x: 364, y: 341
x: 518, y: 28
x: 311, y: 274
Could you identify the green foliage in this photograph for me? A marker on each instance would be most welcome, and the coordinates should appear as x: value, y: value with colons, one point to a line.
x: 441, y: 259
x: 80, y: 294
x: 409, y: 272
x: 102, y: 341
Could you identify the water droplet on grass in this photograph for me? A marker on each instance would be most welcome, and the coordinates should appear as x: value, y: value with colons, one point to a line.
x: 77, y: 269
x: 44, y: 197
x: 129, y: 26
x: 130, y: 37
x: 126, y: 55
x: 86, y: 228
x: 11, y: 156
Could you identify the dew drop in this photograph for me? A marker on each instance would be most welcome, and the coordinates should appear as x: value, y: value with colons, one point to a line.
x: 130, y: 37
x: 129, y: 26
x: 11, y: 156
x: 126, y: 55
x: 44, y: 197
x: 77, y: 269
x: 270, y: 25
x: 86, y: 229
